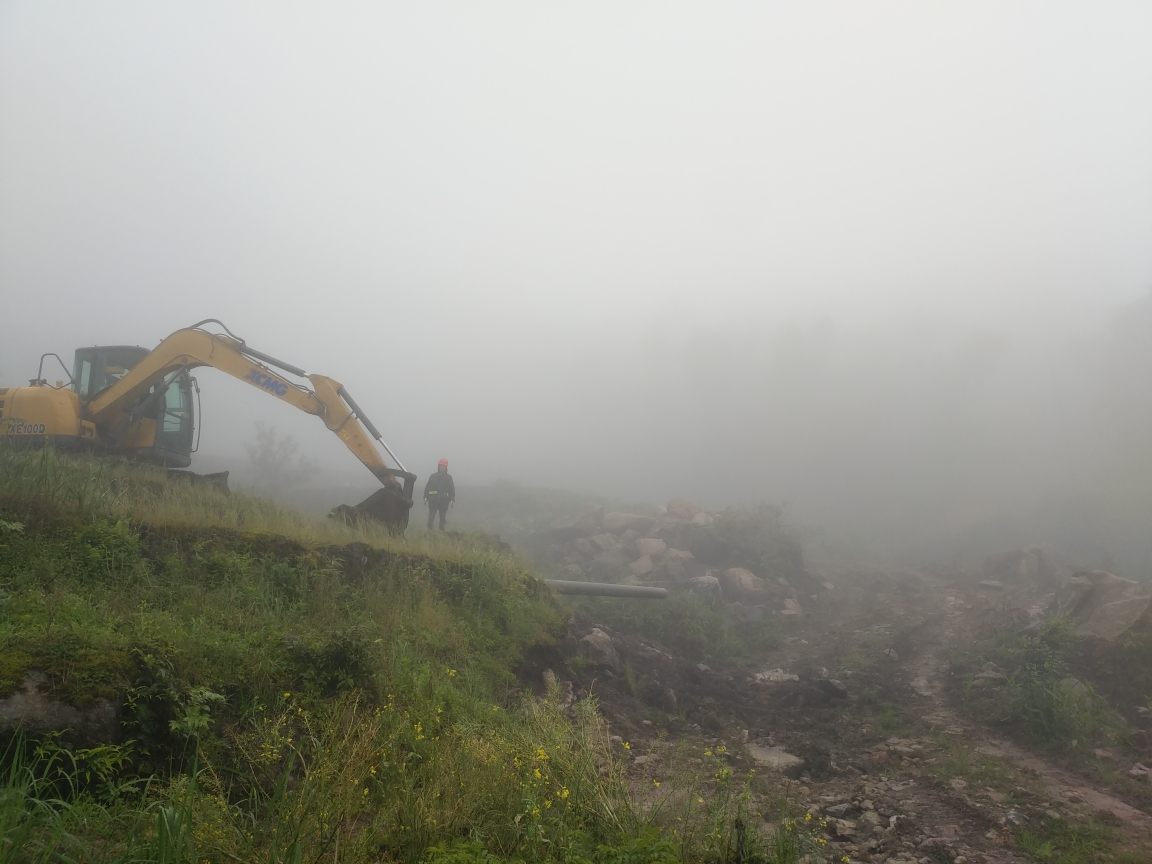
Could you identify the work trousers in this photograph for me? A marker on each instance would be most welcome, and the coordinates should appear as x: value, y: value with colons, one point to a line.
x: 433, y: 509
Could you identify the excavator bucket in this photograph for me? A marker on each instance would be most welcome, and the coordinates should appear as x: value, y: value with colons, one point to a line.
x: 389, y: 505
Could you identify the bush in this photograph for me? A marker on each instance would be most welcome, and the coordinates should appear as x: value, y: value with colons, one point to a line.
x: 1050, y: 707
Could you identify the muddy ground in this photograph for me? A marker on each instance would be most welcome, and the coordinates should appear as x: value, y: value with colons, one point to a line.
x: 886, y: 750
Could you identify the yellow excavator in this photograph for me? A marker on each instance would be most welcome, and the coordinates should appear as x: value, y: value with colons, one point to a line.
x: 138, y: 403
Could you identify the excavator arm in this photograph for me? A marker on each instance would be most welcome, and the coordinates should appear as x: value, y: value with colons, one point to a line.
x: 115, y: 410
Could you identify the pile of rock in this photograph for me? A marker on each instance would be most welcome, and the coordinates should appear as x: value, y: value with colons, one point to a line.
x: 649, y: 549
x: 1102, y: 604
x: 1036, y: 567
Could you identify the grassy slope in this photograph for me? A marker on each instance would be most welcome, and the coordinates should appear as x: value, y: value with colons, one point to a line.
x: 291, y: 688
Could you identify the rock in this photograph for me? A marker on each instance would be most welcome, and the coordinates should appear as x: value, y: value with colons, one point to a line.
x: 1013, y: 819
x: 843, y: 828
x: 868, y: 820
x: 668, y: 702
x: 588, y: 522
x: 679, y: 554
x: 775, y: 676
x: 37, y: 713
x: 1139, y: 770
x: 838, y: 810
x: 742, y: 586
x: 700, y: 518
x: 607, y: 566
x: 618, y: 523
x: 891, y: 654
x: 641, y: 566
x: 605, y: 542
x: 994, y: 679
x: 773, y: 758
x: 1102, y: 604
x: 682, y: 509
x: 748, y: 613
x: 708, y: 586
x: 957, y: 783
x: 668, y: 530
x: 992, y: 583
x: 833, y: 688
x: 584, y: 547
x: 1037, y: 565
x: 791, y: 607
x: 639, y: 760
x: 597, y: 649
x: 651, y: 546
x: 575, y: 571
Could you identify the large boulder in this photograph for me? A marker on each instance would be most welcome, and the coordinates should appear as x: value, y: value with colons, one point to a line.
x: 743, y: 586
x: 682, y: 509
x: 618, y: 523
x: 605, y: 542
x: 641, y: 566
x: 1103, y: 604
x: 1036, y: 565
x: 584, y: 525
x: 671, y: 531
x: 596, y: 648
x: 651, y: 546
x: 607, y: 567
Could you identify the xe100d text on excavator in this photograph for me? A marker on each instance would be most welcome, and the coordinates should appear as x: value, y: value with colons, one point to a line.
x: 138, y: 403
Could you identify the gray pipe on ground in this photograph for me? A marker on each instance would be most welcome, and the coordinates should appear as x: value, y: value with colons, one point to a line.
x: 606, y: 589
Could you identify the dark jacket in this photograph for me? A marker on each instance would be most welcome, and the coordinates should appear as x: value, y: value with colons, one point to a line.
x: 440, y: 490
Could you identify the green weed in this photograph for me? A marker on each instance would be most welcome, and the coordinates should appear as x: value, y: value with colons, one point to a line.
x: 1053, y: 709
x: 288, y: 696
x: 1067, y: 843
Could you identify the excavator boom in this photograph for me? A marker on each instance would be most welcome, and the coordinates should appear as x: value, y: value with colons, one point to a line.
x: 121, y: 416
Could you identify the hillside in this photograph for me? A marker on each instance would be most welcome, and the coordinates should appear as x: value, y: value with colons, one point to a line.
x: 211, y: 677
x: 193, y: 676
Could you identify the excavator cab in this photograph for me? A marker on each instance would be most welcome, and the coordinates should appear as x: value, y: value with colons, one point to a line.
x: 163, y: 418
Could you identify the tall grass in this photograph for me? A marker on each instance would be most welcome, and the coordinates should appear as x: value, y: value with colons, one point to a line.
x: 285, y: 699
x: 93, y: 486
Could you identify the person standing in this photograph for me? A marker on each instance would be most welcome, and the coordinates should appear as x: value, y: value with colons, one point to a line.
x: 439, y: 492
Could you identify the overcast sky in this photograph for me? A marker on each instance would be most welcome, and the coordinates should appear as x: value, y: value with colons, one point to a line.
x: 488, y: 219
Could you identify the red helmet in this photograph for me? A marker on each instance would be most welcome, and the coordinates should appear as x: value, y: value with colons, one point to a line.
x: 443, y: 462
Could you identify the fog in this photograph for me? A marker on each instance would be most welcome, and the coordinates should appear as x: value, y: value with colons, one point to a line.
x: 887, y: 263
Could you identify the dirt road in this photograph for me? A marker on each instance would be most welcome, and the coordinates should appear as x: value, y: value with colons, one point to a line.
x: 861, y: 689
